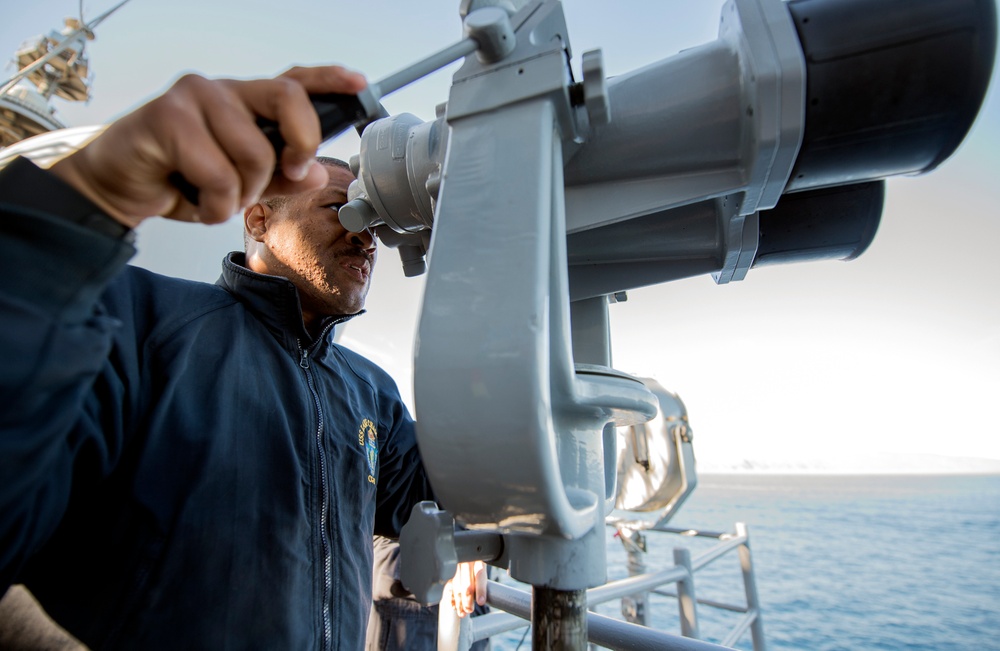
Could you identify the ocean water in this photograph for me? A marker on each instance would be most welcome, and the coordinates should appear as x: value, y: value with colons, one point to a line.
x: 842, y: 562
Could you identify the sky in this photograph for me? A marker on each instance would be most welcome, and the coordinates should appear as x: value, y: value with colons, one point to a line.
x: 896, y: 352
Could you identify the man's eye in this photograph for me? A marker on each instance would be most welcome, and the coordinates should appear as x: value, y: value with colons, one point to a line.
x: 334, y: 206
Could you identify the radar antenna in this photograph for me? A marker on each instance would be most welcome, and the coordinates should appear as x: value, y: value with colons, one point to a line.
x: 50, y: 65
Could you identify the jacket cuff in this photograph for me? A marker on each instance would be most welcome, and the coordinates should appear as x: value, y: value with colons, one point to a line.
x: 33, y: 188
x: 58, y: 249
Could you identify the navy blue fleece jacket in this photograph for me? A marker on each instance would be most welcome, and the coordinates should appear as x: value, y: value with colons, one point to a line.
x: 181, y: 464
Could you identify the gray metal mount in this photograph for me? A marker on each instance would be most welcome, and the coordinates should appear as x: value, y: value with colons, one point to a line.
x: 431, y: 549
x: 548, y: 199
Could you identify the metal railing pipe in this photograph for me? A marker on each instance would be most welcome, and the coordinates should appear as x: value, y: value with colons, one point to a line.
x: 687, y: 604
x: 713, y: 554
x: 693, y: 533
x: 750, y: 587
x: 622, y: 636
x: 493, y: 624
x: 611, y: 633
x: 616, y: 634
x: 740, y: 628
x: 631, y: 585
x: 735, y: 608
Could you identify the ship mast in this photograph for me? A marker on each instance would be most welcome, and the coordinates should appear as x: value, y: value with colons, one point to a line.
x: 52, y: 65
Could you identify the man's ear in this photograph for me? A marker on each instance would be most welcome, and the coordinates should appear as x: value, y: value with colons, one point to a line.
x: 255, y: 221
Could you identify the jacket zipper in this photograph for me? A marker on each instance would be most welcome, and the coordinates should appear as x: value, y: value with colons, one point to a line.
x: 324, y: 487
x: 325, y: 500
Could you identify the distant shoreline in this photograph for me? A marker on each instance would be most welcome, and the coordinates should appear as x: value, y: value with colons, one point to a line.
x: 856, y: 473
x: 872, y: 464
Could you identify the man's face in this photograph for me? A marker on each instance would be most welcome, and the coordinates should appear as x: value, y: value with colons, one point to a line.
x: 304, y: 242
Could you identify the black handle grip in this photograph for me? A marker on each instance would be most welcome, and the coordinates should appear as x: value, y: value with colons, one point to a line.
x: 337, y: 112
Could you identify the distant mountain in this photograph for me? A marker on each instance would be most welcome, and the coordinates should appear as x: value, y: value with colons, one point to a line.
x: 875, y: 463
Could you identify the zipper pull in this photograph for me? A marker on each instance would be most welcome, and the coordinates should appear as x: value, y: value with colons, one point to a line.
x: 303, y: 356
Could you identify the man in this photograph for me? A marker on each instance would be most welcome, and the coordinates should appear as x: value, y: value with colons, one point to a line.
x: 188, y: 465
x: 400, y: 623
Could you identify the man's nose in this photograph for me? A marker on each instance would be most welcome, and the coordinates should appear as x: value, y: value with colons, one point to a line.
x: 363, y: 240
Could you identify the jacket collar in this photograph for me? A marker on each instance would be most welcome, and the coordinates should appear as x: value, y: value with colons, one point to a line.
x: 274, y: 300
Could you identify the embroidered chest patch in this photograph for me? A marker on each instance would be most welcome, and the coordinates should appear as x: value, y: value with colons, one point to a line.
x: 368, y: 439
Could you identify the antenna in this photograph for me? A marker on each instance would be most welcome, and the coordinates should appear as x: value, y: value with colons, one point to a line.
x: 84, y: 29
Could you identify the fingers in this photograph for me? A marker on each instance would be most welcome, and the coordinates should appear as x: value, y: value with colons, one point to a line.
x: 448, y: 595
x: 284, y: 100
x: 206, y: 131
x: 479, y: 568
x: 316, y: 177
x: 299, y: 153
x: 215, y: 145
x: 466, y: 589
x: 467, y: 596
x: 327, y: 79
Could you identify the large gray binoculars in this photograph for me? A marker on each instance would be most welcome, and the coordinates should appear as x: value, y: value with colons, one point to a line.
x: 765, y: 146
x: 539, y: 197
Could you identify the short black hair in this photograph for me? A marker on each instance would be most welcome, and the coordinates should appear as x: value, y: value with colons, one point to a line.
x: 333, y: 162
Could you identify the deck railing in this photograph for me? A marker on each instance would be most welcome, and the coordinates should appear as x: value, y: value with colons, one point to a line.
x: 632, y: 635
